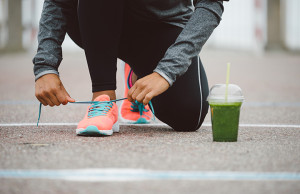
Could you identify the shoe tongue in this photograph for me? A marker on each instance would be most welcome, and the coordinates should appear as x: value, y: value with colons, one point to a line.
x: 103, y: 97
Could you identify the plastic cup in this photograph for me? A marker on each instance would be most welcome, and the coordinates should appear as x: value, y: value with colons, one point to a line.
x: 225, y: 111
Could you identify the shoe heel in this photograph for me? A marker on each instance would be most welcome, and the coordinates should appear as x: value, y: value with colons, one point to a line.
x: 116, y: 127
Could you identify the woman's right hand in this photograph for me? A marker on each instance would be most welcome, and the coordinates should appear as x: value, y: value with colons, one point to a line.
x: 49, y: 90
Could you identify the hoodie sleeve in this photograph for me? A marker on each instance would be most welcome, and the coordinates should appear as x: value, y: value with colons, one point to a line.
x: 52, y: 31
x: 177, y: 59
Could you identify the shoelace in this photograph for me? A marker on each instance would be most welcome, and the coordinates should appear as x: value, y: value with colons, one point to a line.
x: 97, y: 108
x: 139, y: 107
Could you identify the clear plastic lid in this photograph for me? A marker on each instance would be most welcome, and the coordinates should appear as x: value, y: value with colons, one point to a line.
x: 218, y: 93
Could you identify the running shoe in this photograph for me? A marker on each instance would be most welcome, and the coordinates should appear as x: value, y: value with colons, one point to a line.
x: 100, y: 119
x: 132, y: 112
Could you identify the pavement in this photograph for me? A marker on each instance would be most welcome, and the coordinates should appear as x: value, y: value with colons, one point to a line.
x: 153, y: 158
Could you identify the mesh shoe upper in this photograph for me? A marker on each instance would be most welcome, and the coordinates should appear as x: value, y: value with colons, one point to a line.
x: 103, y: 115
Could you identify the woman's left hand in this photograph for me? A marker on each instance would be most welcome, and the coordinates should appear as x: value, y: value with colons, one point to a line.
x: 144, y: 89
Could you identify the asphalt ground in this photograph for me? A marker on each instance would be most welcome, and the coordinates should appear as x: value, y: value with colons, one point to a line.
x: 153, y: 158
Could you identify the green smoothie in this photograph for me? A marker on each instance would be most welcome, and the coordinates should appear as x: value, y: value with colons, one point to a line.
x: 225, y: 120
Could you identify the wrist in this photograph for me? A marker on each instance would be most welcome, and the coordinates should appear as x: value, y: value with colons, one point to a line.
x: 43, y: 69
x: 48, y: 72
x: 163, y: 75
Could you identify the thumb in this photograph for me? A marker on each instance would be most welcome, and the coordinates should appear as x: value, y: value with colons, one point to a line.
x: 70, y: 99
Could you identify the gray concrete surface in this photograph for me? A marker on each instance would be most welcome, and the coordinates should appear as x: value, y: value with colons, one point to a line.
x: 271, y: 86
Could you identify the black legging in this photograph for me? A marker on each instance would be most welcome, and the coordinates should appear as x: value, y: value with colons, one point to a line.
x: 107, y: 34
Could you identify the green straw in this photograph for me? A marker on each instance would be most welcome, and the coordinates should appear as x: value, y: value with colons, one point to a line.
x: 227, y: 81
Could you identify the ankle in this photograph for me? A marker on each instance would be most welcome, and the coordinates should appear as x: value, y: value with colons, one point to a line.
x: 110, y: 93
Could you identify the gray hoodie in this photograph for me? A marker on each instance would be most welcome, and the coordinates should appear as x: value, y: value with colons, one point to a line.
x: 198, y: 19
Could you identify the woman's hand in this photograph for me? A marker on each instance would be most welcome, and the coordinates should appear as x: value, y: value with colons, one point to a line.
x: 49, y: 90
x: 147, y: 87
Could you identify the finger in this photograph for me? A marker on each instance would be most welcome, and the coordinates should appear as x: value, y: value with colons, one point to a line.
x: 70, y: 99
x: 49, y: 102
x: 136, y: 92
x: 130, y: 91
x: 42, y: 100
x: 140, y: 97
x: 62, y: 98
x: 51, y: 99
x: 46, y: 99
x: 148, y: 97
x: 54, y: 99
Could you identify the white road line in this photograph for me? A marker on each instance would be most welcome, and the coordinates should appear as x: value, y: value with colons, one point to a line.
x: 71, y: 124
x: 152, y: 124
x: 270, y: 125
x: 34, y: 124
x: 100, y: 175
x: 245, y: 104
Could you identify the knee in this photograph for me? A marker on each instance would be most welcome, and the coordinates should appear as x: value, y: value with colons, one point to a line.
x: 182, y: 124
x: 189, y: 122
x: 186, y: 126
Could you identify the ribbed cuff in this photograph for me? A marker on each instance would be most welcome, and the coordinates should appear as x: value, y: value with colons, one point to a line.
x: 46, y: 72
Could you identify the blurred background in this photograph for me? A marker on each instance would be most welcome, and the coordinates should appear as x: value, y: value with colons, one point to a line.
x: 261, y: 39
x: 253, y: 25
